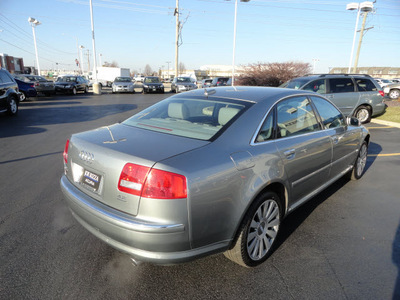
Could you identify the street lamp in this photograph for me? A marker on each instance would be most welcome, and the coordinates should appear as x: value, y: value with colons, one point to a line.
x: 81, y: 56
x: 234, y: 41
x: 35, y: 23
x: 314, y: 60
x: 364, y: 7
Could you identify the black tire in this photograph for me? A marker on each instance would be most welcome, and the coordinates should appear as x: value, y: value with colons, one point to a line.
x: 86, y: 89
x: 22, y: 97
x: 12, y: 106
x: 363, y: 113
x: 73, y: 92
x: 360, y: 163
x: 144, y: 91
x: 394, y: 94
x: 256, y: 237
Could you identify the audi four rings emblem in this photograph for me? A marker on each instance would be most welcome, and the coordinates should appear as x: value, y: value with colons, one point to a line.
x: 86, y: 156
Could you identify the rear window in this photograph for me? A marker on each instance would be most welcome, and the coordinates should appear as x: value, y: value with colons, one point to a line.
x: 365, y: 85
x: 192, y: 118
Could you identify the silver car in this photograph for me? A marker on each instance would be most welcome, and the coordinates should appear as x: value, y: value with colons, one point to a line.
x: 123, y: 84
x: 355, y: 95
x: 209, y: 171
x: 182, y: 84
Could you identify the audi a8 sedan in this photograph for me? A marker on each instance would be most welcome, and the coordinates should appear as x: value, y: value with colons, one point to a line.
x: 209, y: 171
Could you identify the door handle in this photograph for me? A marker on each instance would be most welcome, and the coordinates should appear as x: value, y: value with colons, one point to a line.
x: 289, y: 153
x: 335, y: 139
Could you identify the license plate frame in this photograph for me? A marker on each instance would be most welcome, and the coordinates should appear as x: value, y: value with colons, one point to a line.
x: 91, y: 180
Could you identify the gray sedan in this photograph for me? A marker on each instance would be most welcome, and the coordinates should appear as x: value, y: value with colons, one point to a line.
x: 209, y: 171
x: 182, y: 84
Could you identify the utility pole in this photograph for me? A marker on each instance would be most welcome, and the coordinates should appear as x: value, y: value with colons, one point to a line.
x: 176, y: 13
x: 88, y: 60
x: 168, y: 62
x: 359, y: 43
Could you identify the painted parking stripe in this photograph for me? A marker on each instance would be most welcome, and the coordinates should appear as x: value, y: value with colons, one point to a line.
x: 389, y: 154
x: 380, y: 127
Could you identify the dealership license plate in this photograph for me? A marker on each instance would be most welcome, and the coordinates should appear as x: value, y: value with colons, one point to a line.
x: 91, y: 180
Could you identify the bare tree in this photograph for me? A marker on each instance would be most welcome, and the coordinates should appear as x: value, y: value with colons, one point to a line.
x: 147, y: 70
x: 181, y: 68
x: 112, y: 64
x: 272, y: 74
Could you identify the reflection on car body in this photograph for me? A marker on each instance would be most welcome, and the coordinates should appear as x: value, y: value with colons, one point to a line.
x: 209, y: 171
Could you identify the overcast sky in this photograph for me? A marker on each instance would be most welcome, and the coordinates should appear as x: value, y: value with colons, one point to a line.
x: 134, y: 33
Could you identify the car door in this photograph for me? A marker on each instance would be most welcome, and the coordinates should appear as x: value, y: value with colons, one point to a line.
x: 341, y: 91
x: 305, y: 149
x: 344, y: 141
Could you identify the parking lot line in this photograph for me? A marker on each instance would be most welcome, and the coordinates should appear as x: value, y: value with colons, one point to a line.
x: 380, y: 127
x: 388, y: 154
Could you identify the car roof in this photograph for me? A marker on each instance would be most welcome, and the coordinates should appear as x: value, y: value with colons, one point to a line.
x: 245, y: 93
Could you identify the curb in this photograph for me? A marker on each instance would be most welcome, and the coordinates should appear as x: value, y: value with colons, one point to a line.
x: 387, y: 123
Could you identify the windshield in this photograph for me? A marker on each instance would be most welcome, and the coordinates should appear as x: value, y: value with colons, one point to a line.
x: 183, y: 79
x: 192, y: 118
x: 67, y: 79
x: 296, y: 83
x: 152, y: 80
x: 123, y: 79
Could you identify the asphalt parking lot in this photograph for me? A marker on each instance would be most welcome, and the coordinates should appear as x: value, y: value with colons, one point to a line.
x: 343, y: 244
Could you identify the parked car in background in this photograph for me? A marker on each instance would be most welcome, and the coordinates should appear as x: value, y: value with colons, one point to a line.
x: 9, y: 94
x: 392, y: 90
x: 220, y: 81
x: 42, y: 85
x: 200, y: 173
x: 27, y: 89
x: 123, y: 84
x: 355, y: 95
x: 182, y: 84
x: 71, y: 84
x: 139, y: 78
x: 382, y: 82
x: 205, y: 83
x: 152, y: 84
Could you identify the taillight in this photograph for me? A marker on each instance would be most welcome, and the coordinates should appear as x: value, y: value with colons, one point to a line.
x: 152, y: 183
x: 32, y: 85
x: 132, y: 179
x: 65, y: 154
x: 37, y: 84
x: 382, y: 93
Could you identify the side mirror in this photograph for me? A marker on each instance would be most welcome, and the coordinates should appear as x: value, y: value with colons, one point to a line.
x: 352, y: 121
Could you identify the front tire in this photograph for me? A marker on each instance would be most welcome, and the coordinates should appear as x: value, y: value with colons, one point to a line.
x: 363, y: 113
x: 394, y: 94
x: 73, y: 91
x: 12, y: 107
x: 360, y: 163
x: 86, y: 89
x: 258, y: 231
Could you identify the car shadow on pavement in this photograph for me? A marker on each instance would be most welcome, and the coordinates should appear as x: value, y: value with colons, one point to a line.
x: 373, y: 151
x: 396, y: 261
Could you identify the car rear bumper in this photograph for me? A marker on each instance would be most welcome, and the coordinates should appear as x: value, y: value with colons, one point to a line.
x: 144, y: 240
x: 379, y: 109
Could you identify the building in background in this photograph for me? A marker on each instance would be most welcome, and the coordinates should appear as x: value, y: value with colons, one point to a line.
x: 377, y: 72
x: 14, y: 65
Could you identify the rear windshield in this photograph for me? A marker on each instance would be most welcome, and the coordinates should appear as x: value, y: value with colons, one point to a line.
x: 192, y: 118
x: 296, y: 83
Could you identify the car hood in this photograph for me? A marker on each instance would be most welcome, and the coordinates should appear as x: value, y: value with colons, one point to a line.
x: 123, y: 82
x: 64, y: 83
x: 153, y: 84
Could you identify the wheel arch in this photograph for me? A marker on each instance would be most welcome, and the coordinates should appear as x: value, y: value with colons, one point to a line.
x: 278, y: 188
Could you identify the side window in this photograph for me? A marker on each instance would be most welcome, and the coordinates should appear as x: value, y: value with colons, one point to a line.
x: 317, y: 86
x: 330, y: 115
x: 341, y: 85
x: 5, y: 78
x: 365, y: 85
x: 266, y: 130
x: 296, y: 116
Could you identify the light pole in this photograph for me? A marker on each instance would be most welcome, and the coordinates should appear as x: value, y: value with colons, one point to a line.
x: 314, y: 60
x: 364, y: 7
x: 80, y: 48
x: 35, y: 23
x: 96, y: 85
x: 168, y: 62
x: 234, y: 41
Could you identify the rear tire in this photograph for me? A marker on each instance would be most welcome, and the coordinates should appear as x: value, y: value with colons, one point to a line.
x: 22, y: 97
x: 360, y: 163
x: 258, y: 231
x: 363, y: 113
x: 394, y: 94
